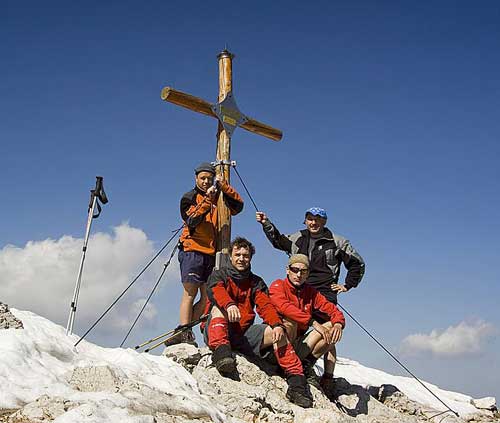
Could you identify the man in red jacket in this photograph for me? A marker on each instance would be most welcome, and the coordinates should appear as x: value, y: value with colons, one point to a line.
x: 296, y: 303
x: 233, y: 292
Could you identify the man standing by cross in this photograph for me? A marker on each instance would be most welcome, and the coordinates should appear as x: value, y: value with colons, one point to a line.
x: 197, y: 242
x: 229, y: 117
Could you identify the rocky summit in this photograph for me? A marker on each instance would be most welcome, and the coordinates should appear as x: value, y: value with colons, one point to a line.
x: 43, y: 378
x: 260, y: 396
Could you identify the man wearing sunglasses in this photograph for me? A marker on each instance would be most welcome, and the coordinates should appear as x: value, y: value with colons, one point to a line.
x: 296, y: 303
x: 235, y: 293
x: 326, y: 251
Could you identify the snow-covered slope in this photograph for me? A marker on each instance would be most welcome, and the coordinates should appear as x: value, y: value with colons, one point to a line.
x: 358, y: 374
x: 40, y: 359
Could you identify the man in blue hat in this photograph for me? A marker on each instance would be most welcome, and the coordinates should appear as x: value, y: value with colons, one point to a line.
x: 326, y: 251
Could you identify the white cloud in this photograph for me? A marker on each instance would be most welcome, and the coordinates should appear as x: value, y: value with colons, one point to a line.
x: 463, y: 339
x: 41, y: 277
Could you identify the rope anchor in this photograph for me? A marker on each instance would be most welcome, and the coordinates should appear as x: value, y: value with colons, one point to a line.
x: 231, y: 163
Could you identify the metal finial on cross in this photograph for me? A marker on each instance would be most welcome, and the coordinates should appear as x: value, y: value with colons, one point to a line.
x: 230, y: 117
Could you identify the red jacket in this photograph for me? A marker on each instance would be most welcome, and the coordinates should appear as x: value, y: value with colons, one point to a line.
x: 224, y: 291
x: 298, y: 304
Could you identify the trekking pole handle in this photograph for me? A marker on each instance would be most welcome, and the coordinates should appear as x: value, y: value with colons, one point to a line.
x: 99, y: 189
x: 193, y: 323
x: 98, y: 183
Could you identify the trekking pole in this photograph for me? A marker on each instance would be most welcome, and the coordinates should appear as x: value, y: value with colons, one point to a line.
x: 128, y: 287
x: 171, y: 333
x: 96, y: 194
x: 176, y: 231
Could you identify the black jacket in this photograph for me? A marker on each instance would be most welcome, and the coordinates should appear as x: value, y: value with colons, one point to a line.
x: 325, y: 257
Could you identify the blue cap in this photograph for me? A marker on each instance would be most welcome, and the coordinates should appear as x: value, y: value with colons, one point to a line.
x: 317, y: 211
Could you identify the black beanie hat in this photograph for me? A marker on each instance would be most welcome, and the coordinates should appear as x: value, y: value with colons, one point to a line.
x: 205, y: 167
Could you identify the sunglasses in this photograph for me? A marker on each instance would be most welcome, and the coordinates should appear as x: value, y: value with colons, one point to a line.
x: 297, y: 270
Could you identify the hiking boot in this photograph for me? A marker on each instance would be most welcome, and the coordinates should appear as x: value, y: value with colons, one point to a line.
x: 297, y: 391
x: 308, y: 365
x: 224, y: 362
x: 173, y: 340
x: 311, y: 376
x: 186, y: 336
x: 328, y: 385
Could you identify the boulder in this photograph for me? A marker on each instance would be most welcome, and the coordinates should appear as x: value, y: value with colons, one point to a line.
x: 486, y: 403
x: 7, y: 319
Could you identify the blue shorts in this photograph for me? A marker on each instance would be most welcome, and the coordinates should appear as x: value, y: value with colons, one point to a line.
x: 195, y: 267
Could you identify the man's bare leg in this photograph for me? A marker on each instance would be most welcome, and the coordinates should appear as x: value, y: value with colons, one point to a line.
x: 316, y: 346
x: 187, y: 301
x: 187, y: 311
x: 199, y: 307
x: 291, y: 329
x: 330, y: 360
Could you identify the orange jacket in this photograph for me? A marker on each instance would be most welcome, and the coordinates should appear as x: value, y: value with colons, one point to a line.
x: 200, y: 216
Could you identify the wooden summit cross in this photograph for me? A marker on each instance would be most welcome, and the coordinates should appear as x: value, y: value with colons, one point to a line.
x: 229, y: 116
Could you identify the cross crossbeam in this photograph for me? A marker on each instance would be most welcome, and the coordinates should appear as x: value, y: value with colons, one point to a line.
x: 229, y: 117
x: 199, y: 105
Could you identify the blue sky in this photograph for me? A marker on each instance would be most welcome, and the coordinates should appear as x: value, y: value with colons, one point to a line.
x: 390, y: 116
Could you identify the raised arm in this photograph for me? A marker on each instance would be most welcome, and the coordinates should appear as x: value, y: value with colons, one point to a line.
x: 192, y: 214
x: 279, y: 241
x: 232, y: 199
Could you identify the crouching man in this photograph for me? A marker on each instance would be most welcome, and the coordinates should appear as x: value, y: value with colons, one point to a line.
x: 296, y: 303
x: 233, y: 292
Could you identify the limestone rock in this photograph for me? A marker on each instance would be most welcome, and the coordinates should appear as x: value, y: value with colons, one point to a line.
x: 260, y: 397
x: 96, y: 379
x: 188, y: 356
x: 137, y: 397
x: 486, y: 403
x: 7, y: 319
x: 392, y: 397
x: 5, y: 414
x: 42, y: 410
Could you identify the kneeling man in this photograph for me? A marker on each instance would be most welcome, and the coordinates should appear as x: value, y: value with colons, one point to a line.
x: 296, y: 303
x: 233, y: 292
